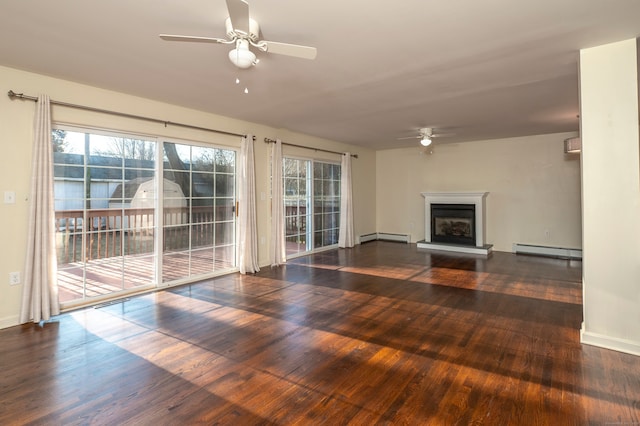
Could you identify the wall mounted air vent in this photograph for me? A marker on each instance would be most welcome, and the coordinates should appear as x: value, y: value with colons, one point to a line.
x: 572, y: 145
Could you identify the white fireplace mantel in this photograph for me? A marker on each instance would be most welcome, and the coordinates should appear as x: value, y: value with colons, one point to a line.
x: 475, y: 198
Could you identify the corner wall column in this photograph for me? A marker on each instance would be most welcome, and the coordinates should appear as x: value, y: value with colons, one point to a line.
x: 610, y: 196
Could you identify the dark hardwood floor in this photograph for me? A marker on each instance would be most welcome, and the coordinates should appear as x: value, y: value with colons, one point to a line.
x: 383, y: 333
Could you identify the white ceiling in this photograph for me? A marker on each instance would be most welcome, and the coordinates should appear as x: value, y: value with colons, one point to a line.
x: 479, y: 69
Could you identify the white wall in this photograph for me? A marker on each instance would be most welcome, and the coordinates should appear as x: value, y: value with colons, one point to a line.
x: 611, y: 196
x: 16, y: 121
x: 534, y: 187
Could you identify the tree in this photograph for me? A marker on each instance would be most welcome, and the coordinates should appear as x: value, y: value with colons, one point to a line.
x: 176, y: 163
x: 129, y: 148
x: 58, y: 139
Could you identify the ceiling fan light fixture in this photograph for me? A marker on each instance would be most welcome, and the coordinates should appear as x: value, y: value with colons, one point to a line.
x: 425, y: 141
x: 243, y: 32
x: 241, y: 56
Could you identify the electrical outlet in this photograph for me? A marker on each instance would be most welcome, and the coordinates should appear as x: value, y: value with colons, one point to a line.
x: 9, y: 197
x: 14, y: 278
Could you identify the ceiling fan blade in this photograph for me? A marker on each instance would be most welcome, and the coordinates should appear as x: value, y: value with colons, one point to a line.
x: 409, y: 137
x: 239, y: 14
x: 171, y: 37
x: 304, y: 52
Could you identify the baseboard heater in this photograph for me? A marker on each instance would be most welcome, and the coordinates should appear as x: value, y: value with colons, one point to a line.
x: 559, y: 252
x: 385, y: 236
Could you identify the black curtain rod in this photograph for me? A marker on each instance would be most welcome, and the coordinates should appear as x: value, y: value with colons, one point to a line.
x: 267, y: 140
x: 14, y: 95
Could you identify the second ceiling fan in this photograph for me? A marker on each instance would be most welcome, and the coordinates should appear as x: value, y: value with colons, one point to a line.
x: 243, y: 32
x: 426, y: 136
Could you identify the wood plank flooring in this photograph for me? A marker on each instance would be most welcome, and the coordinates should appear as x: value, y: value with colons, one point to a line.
x: 384, y: 333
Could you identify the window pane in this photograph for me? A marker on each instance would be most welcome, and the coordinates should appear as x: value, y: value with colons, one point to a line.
x: 202, y: 158
x: 203, y: 214
x: 317, y: 188
x: 224, y: 233
x: 335, y: 172
x: 225, y: 209
x: 290, y: 210
x: 225, y: 161
x: 181, y: 184
x: 225, y: 185
x: 202, y: 235
x: 176, y: 156
x: 202, y: 261
x: 176, y: 237
x: 68, y: 171
x: 202, y: 184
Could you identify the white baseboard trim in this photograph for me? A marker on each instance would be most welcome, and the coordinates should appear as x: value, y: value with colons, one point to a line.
x: 11, y: 321
x: 608, y: 342
x: 560, y: 252
x: 401, y: 238
x: 368, y: 237
x: 385, y: 236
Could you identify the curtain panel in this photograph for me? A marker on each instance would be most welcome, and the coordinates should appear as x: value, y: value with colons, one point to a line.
x: 247, y: 223
x: 278, y: 248
x: 346, y: 236
x: 40, y: 290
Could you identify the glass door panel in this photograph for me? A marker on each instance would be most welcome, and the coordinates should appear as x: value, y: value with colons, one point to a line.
x: 296, y: 205
x: 199, y: 205
x: 104, y: 189
x: 326, y: 205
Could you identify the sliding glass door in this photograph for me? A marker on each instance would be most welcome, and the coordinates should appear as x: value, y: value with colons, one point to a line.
x: 311, y: 205
x: 109, y: 212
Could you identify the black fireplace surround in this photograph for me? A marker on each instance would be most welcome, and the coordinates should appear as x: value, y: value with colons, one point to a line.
x: 453, y: 224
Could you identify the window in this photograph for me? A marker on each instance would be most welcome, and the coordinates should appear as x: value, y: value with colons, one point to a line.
x: 311, y: 204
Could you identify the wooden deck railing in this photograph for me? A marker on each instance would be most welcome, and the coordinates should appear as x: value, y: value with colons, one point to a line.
x: 130, y: 231
x: 116, y: 232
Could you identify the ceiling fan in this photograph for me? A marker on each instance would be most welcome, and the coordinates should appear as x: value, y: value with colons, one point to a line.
x: 243, y: 32
x: 426, y: 136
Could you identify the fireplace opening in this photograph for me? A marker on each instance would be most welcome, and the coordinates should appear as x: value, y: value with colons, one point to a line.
x: 453, y: 224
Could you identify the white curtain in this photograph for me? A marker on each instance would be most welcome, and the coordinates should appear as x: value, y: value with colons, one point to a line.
x: 247, y: 224
x: 40, y: 290
x: 346, y: 236
x: 278, y: 250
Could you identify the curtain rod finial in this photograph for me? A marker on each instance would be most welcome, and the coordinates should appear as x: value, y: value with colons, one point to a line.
x: 14, y: 95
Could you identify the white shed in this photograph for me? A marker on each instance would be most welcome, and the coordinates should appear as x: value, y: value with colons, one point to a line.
x: 142, y: 193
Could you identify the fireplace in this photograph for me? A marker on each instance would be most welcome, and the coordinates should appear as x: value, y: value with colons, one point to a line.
x: 455, y: 221
x: 453, y: 224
